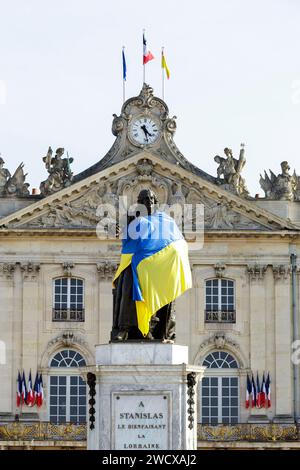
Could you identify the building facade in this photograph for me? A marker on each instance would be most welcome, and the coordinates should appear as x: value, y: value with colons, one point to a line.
x: 58, y: 255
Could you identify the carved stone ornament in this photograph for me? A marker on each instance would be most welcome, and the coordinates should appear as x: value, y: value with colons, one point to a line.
x: 68, y: 338
x: 7, y: 270
x: 230, y: 169
x: 256, y: 271
x: 283, y: 186
x: 59, y: 169
x: 67, y: 268
x: 107, y: 269
x: 281, y: 272
x: 220, y: 270
x: 30, y: 270
x: 219, y: 340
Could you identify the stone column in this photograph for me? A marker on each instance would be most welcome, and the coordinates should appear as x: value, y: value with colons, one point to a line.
x: 7, y: 369
x: 106, y: 271
x: 257, y: 303
x: 283, y: 368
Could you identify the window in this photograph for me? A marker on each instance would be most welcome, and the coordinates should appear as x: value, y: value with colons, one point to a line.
x: 219, y: 301
x: 220, y: 390
x: 67, y: 397
x: 68, y: 300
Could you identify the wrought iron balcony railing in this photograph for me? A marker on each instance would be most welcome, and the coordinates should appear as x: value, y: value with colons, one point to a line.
x: 220, y: 316
x: 68, y: 314
x: 42, y: 431
x: 249, y: 432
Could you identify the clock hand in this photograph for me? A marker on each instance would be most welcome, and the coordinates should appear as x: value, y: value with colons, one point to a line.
x: 144, y: 129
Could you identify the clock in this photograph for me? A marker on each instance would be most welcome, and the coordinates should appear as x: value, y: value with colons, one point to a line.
x: 144, y: 130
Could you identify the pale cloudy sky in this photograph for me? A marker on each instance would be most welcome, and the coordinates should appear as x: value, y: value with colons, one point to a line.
x: 235, y: 77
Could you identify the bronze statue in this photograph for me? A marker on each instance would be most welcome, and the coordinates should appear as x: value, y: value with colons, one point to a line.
x: 125, y: 324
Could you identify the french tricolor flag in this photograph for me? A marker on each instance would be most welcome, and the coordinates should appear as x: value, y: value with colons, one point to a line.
x: 268, y: 390
x: 30, y: 394
x: 248, y: 391
x: 147, y: 55
x: 19, y: 389
x: 24, y: 389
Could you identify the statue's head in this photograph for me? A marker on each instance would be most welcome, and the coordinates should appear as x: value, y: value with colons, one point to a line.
x: 60, y: 151
x: 1, y: 161
x: 148, y: 198
x: 285, y: 167
x: 228, y: 152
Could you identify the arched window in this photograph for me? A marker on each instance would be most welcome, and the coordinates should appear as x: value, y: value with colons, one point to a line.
x: 68, y: 299
x: 220, y: 389
x: 219, y: 301
x: 220, y: 360
x: 67, y: 396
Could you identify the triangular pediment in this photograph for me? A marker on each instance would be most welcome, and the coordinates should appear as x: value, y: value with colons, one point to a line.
x: 78, y: 205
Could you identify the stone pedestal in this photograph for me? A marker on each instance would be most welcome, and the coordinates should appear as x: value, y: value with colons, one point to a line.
x: 146, y: 397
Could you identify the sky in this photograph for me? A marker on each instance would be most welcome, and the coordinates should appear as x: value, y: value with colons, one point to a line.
x: 235, y: 78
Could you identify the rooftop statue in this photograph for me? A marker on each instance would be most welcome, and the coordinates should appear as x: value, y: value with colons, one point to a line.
x: 60, y: 174
x: 230, y: 168
x: 281, y: 187
x: 4, y: 176
x: 153, y: 271
x: 15, y: 185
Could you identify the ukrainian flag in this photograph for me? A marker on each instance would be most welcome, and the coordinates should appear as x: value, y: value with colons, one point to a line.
x: 158, y: 254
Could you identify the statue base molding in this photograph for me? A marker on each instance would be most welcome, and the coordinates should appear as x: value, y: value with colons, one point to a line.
x: 146, y: 398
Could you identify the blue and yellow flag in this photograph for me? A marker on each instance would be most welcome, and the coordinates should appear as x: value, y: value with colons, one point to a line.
x: 158, y: 254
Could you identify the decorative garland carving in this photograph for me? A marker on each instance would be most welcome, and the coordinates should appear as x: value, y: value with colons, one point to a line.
x: 7, y: 270
x: 281, y: 272
x: 107, y: 269
x: 30, y: 270
x: 256, y: 271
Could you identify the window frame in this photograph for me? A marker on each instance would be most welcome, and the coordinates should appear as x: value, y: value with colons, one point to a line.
x: 223, y: 314
x: 221, y: 373
x: 67, y: 372
x: 68, y: 314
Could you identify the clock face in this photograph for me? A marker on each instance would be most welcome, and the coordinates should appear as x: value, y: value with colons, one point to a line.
x: 144, y: 130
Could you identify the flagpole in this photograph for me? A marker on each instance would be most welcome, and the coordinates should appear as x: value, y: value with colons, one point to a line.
x: 144, y: 65
x: 123, y: 49
x: 162, y: 75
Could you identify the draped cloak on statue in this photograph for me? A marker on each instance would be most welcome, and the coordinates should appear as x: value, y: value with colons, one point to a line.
x: 158, y: 255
